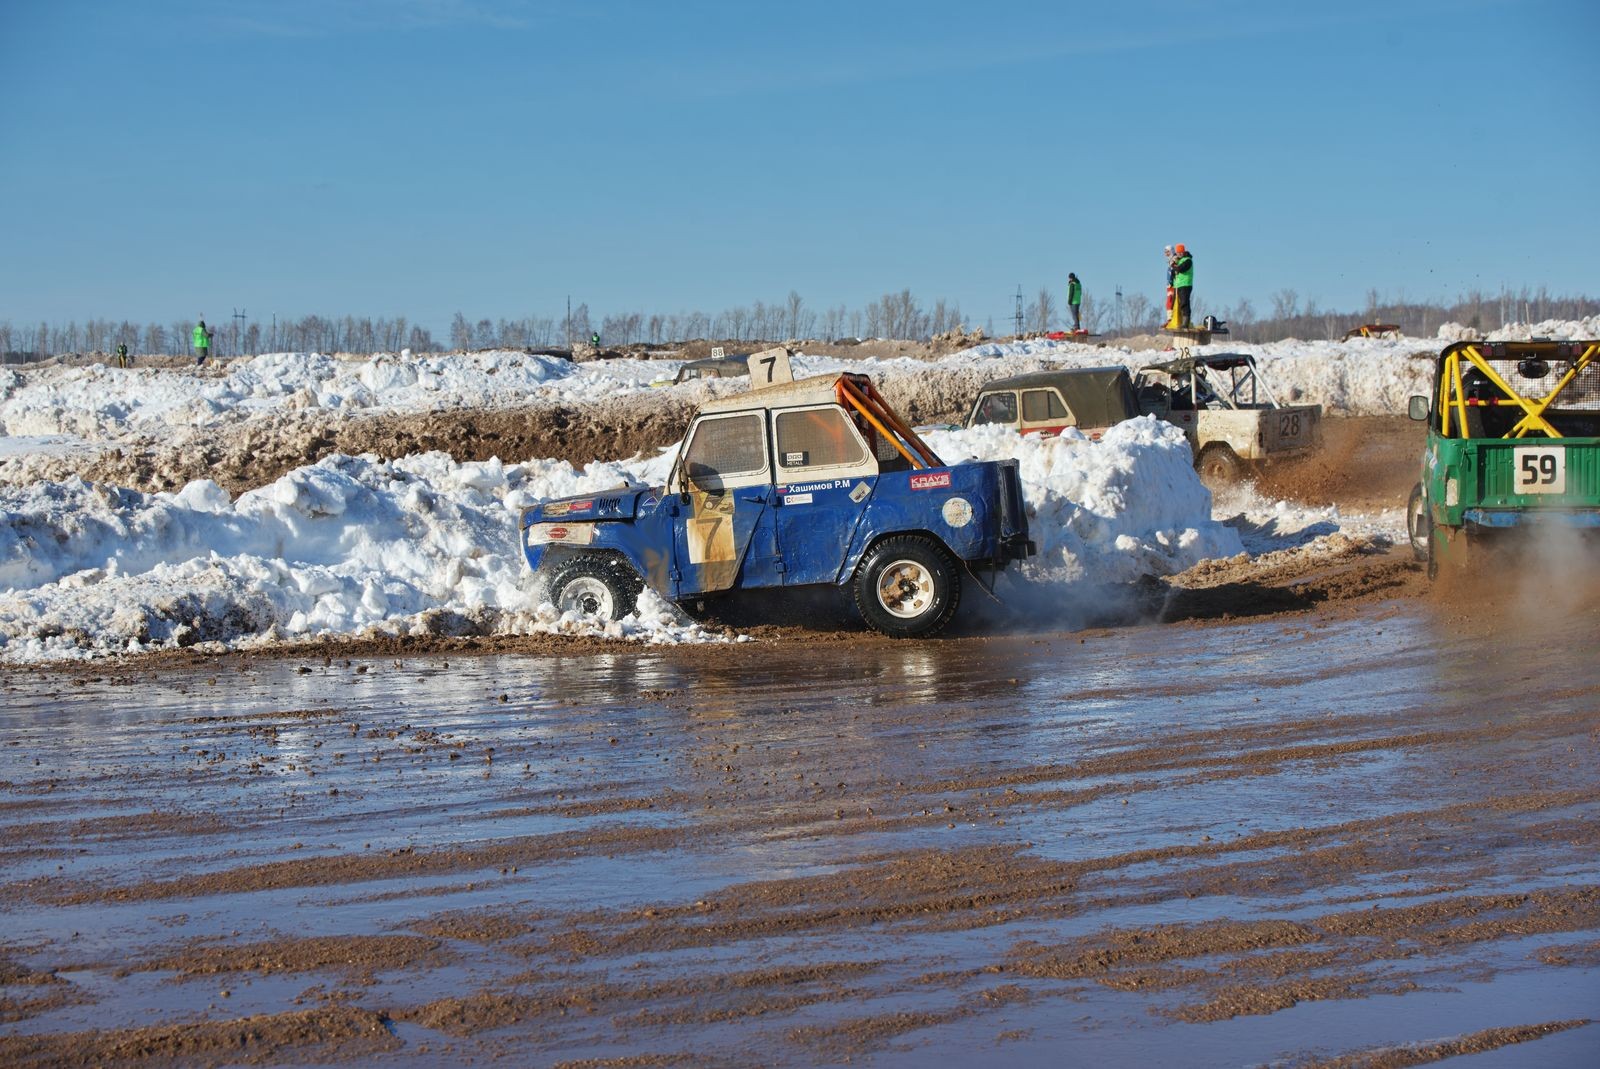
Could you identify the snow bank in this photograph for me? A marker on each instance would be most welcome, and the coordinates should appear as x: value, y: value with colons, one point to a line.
x: 1104, y: 512
x: 1363, y: 376
x: 1555, y: 329
x: 348, y: 546
x: 99, y: 402
x: 423, y: 545
x: 1268, y: 525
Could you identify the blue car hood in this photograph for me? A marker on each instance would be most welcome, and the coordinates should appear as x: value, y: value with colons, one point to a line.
x: 607, y: 505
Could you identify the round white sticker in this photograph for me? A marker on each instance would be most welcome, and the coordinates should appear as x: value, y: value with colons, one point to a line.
x: 957, y: 512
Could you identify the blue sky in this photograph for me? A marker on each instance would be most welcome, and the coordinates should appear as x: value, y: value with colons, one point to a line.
x: 164, y: 159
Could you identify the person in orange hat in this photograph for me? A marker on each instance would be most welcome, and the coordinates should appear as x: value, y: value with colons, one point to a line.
x: 1183, y: 283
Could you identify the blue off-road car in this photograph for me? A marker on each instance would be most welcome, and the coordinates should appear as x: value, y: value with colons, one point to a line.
x: 793, y: 484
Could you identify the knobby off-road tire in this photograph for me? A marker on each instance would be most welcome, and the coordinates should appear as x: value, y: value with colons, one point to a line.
x: 1219, y: 465
x: 908, y: 587
x: 1419, y: 524
x: 596, y: 586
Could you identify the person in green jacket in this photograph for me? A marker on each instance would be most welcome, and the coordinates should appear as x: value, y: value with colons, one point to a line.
x: 1075, y: 300
x: 1183, y: 283
x: 202, y: 341
x: 122, y: 354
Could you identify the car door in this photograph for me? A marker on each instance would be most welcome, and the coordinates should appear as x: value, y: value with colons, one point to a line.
x: 1044, y: 413
x: 723, y: 532
x: 825, y: 475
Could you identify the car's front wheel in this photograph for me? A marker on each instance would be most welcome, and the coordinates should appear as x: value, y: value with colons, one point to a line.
x: 596, y: 587
x: 908, y: 587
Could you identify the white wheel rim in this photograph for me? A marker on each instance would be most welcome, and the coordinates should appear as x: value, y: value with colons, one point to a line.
x: 905, y: 589
x: 587, y: 596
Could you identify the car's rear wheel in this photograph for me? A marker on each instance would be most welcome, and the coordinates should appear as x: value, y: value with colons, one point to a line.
x: 596, y: 587
x: 1219, y: 465
x: 1419, y: 524
x: 908, y: 587
x: 1448, y: 552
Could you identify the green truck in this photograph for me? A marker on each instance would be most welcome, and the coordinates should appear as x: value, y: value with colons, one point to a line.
x: 1513, y: 444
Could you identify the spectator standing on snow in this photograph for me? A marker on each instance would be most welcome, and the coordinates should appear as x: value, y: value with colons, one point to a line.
x: 202, y: 341
x: 1183, y: 284
x: 594, y: 341
x: 1075, y: 300
x: 122, y: 354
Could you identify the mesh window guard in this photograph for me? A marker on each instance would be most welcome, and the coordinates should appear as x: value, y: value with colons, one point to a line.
x: 816, y: 438
x: 726, y: 446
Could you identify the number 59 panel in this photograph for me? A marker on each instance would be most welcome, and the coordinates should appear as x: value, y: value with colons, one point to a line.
x: 1540, y: 470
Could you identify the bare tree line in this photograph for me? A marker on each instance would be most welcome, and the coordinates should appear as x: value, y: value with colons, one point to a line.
x: 894, y: 315
x: 1290, y: 316
x: 898, y: 315
x: 230, y: 337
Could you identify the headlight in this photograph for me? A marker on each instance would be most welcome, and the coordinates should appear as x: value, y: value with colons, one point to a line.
x: 1452, y: 492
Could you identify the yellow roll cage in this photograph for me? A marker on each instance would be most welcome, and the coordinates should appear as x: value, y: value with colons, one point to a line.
x: 857, y: 392
x: 1454, y: 402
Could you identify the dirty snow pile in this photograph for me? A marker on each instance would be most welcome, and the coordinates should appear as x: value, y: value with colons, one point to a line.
x: 1107, y: 512
x: 1363, y: 376
x: 348, y: 546
x: 99, y: 402
x: 426, y: 546
x: 1359, y: 377
x: 1269, y: 525
x: 1554, y: 329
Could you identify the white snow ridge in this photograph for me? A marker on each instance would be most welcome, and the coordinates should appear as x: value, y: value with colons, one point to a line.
x: 423, y: 545
x: 347, y: 546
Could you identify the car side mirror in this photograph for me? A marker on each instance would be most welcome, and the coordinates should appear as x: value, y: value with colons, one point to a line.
x: 1418, y: 409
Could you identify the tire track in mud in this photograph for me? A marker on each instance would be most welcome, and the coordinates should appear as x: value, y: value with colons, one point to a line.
x: 957, y: 890
x: 894, y: 859
x: 1425, y: 1053
x: 1214, y: 756
x: 337, y: 870
x: 332, y: 1034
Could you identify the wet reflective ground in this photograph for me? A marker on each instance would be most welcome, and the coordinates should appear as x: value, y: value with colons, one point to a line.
x: 1271, y: 842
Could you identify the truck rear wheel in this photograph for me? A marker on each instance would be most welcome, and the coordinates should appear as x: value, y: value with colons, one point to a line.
x: 1419, y: 524
x: 1219, y: 465
x: 908, y: 587
x: 1448, y: 552
x: 596, y: 586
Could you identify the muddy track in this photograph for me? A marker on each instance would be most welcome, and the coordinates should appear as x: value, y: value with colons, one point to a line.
x: 718, y: 856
